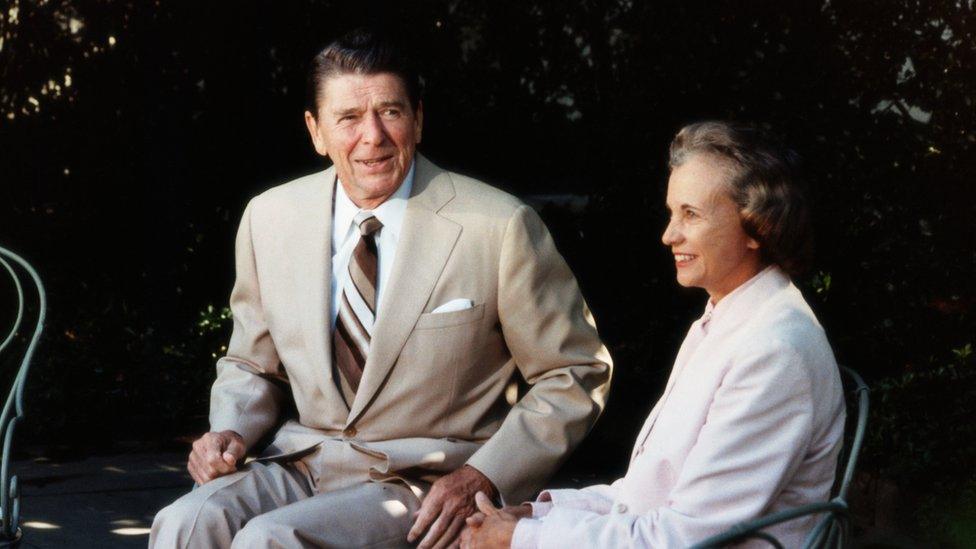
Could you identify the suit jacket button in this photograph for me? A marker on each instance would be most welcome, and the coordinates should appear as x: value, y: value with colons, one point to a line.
x: 620, y: 508
x: 349, y: 432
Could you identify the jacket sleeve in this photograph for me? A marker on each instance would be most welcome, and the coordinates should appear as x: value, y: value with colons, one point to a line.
x: 755, y: 437
x: 245, y: 397
x: 597, y: 498
x: 553, y: 340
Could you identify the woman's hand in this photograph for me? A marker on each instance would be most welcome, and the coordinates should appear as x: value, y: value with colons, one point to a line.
x: 492, y: 527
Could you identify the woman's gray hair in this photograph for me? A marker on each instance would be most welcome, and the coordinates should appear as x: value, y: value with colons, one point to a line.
x: 766, y: 183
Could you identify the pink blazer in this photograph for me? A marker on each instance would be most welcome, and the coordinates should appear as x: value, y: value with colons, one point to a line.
x: 750, y: 423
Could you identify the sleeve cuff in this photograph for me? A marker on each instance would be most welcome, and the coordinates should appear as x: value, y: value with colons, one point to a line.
x: 562, y: 495
x: 486, y: 468
x: 227, y: 423
x: 540, y: 508
x: 526, y: 535
x: 576, y: 499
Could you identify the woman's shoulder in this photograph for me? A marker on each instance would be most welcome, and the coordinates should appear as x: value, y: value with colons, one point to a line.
x: 786, y: 330
x: 789, y: 315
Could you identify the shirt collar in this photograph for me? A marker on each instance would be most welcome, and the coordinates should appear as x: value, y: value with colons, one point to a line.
x: 390, y: 213
x: 744, y: 298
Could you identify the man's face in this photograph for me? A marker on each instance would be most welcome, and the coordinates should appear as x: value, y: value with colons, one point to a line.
x: 366, y: 125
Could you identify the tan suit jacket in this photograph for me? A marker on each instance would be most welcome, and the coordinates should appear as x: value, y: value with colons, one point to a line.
x: 433, y: 393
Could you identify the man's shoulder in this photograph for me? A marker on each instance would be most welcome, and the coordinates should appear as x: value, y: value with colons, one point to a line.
x: 296, y: 192
x: 489, y: 199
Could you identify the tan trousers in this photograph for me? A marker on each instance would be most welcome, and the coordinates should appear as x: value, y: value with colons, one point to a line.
x: 321, y: 500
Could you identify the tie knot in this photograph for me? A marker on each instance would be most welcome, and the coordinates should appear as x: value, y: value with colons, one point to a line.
x: 367, y: 223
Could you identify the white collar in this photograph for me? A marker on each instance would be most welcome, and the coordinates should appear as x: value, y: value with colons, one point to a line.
x: 390, y: 212
x: 741, y: 302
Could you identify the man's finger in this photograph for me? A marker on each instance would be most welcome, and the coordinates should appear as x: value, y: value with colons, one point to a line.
x: 235, y: 448
x: 484, y: 504
x: 428, y: 512
x: 222, y: 466
x: 451, y: 534
x: 231, y: 460
x: 214, y: 468
x: 193, y: 465
x: 210, y: 442
x: 193, y: 472
x: 435, y: 531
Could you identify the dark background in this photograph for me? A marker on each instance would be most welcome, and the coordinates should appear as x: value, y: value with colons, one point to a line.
x: 133, y: 133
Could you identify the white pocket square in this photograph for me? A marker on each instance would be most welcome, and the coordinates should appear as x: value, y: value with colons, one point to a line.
x: 454, y: 305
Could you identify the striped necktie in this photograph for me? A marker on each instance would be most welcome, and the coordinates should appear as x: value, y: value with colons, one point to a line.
x: 357, y: 309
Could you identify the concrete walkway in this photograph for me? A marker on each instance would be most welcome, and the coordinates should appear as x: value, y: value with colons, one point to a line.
x: 98, y: 501
x: 110, y: 501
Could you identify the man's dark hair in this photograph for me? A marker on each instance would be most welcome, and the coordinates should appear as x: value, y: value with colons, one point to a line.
x: 766, y: 183
x: 362, y: 51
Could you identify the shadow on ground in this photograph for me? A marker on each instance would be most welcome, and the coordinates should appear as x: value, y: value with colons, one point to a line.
x: 104, y: 501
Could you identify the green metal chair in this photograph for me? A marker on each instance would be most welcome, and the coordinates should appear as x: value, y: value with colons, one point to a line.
x: 833, y: 529
x: 13, y: 408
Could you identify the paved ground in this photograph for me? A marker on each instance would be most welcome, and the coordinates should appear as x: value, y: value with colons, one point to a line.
x: 109, y: 501
x: 99, y: 501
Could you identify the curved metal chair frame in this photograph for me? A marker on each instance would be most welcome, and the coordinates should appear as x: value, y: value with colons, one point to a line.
x: 833, y: 529
x: 13, y: 408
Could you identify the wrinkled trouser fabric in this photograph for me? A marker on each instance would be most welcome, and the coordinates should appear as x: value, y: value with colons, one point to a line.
x: 320, y: 500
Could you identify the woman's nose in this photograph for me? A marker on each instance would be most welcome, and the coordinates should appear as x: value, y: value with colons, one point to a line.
x: 671, y: 234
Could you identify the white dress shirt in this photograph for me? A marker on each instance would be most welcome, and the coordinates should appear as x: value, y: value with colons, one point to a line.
x: 345, y: 235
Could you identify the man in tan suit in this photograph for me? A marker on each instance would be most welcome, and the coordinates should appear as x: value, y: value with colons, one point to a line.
x: 394, y: 303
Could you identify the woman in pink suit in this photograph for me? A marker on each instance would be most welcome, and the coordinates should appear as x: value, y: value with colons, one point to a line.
x: 752, y: 417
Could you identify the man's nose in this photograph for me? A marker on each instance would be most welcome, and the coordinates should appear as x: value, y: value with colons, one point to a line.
x: 373, y: 131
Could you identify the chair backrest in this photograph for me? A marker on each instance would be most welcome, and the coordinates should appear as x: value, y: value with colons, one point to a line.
x: 860, y: 392
x: 13, y: 408
x: 833, y: 529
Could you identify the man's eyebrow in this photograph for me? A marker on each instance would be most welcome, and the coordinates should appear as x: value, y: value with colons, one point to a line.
x: 391, y: 103
x: 344, y: 112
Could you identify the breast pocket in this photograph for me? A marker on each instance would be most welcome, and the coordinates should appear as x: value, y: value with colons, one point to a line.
x: 429, y: 321
x: 440, y: 346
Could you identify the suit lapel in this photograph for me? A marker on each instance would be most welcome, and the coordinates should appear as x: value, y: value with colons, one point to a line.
x: 315, y: 265
x: 426, y: 241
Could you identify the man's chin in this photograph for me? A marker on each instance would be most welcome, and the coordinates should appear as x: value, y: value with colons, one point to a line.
x: 373, y: 188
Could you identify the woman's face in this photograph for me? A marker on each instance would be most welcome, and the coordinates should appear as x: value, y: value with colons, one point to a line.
x: 711, y: 250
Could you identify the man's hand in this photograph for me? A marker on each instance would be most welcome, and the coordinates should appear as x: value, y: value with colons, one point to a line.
x: 491, y: 527
x: 449, y: 502
x: 215, y: 455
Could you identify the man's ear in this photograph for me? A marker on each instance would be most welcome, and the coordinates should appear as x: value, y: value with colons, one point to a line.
x: 752, y: 244
x: 418, y: 121
x: 313, y: 132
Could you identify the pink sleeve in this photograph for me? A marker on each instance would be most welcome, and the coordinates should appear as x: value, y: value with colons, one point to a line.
x: 756, y: 435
